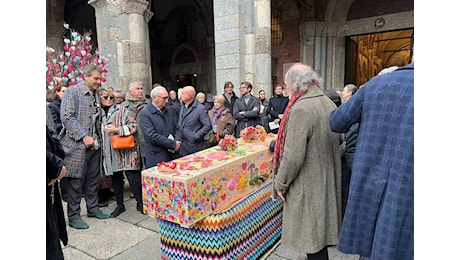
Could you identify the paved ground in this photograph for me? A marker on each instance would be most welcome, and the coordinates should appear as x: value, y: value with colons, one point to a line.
x: 133, y: 236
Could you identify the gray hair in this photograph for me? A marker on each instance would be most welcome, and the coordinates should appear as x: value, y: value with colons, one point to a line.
x: 122, y: 93
x: 351, y: 87
x: 303, y: 77
x: 156, y: 90
x: 200, y: 94
x: 132, y: 84
x: 88, y: 70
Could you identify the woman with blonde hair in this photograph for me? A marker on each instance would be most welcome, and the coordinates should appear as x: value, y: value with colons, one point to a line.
x: 221, y: 118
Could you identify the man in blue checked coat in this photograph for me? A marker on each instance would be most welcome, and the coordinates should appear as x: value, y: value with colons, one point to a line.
x: 379, y: 218
x: 80, y: 139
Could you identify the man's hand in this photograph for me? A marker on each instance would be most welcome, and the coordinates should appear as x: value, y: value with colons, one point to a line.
x: 281, y: 195
x: 88, y: 141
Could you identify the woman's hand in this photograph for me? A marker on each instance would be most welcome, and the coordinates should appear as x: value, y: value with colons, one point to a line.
x: 111, y: 129
x: 61, y: 175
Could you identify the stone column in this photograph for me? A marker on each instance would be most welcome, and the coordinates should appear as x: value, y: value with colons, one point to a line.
x: 242, y: 44
x: 122, y: 27
x: 54, y: 24
x: 320, y: 51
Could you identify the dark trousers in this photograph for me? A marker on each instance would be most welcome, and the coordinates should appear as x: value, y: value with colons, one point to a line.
x: 134, y: 179
x: 346, y: 177
x: 87, y: 184
x: 320, y: 255
x: 63, y: 186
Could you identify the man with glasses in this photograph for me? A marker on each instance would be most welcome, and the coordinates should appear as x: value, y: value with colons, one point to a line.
x: 80, y: 116
x: 229, y: 95
x: 119, y: 96
x: 158, y: 125
x: 246, y: 109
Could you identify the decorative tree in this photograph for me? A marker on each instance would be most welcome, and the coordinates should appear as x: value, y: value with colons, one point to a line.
x: 67, y: 65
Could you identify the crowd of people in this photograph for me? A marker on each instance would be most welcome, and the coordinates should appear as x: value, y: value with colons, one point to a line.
x: 326, y: 187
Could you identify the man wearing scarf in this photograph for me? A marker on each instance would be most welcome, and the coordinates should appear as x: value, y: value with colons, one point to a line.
x: 135, y: 102
x: 307, y: 162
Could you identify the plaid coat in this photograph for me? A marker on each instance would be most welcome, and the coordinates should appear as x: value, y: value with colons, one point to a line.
x: 379, y: 218
x: 80, y: 109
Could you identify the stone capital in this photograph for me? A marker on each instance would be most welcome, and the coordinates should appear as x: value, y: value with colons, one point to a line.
x: 97, y: 4
x: 133, y: 6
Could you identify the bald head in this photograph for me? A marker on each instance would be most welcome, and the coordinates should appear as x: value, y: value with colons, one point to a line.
x: 188, y: 94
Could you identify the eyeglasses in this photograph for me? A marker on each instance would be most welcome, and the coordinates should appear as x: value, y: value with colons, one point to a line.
x: 164, y: 98
x: 244, y: 87
x: 108, y: 98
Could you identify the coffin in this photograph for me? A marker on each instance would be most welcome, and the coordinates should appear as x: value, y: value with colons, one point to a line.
x: 206, y: 182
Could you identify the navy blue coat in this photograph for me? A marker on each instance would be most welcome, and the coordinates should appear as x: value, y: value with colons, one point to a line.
x: 379, y: 218
x: 193, y: 125
x: 156, y: 127
x: 55, y: 108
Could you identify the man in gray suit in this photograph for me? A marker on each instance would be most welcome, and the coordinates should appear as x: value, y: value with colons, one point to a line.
x: 80, y: 116
x: 193, y: 123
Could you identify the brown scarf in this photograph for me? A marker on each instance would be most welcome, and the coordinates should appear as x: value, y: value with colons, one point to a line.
x: 279, y: 145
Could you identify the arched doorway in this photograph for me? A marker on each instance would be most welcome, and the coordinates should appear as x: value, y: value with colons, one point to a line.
x: 359, y: 21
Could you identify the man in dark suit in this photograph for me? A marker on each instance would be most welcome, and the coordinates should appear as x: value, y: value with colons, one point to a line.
x: 246, y: 109
x: 194, y: 123
x: 158, y: 124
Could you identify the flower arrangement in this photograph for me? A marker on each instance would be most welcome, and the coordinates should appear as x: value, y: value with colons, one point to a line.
x: 228, y: 143
x: 166, y: 166
x: 67, y: 65
x: 253, y: 134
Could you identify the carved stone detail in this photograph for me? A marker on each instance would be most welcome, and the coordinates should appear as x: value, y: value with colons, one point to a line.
x: 133, y: 7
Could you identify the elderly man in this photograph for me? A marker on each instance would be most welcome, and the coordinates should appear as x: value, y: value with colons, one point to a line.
x: 119, y: 96
x: 80, y: 117
x: 159, y: 125
x: 193, y: 124
x: 307, y: 160
x: 174, y: 103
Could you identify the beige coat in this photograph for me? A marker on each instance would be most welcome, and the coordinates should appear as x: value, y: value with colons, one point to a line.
x: 310, y: 175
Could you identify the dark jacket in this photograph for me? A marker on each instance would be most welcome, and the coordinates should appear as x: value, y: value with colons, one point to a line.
x: 193, y: 125
x: 230, y: 104
x: 175, y: 105
x: 55, y: 222
x: 276, y: 106
x: 156, y: 127
x: 55, y: 108
x: 250, y: 116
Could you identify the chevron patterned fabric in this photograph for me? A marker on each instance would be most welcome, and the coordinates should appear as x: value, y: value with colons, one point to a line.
x: 244, y: 231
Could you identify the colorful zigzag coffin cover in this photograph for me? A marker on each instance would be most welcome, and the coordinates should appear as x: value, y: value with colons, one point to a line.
x: 244, y: 231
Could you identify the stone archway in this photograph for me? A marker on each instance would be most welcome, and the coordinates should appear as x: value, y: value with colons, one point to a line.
x: 185, y: 63
x: 323, y: 43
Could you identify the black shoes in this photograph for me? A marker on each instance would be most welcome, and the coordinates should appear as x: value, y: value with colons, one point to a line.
x: 118, y: 210
x: 139, y: 208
